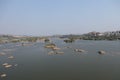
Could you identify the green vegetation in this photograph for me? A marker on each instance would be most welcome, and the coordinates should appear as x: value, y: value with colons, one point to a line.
x: 100, y: 38
x: 47, y: 40
x: 114, y: 35
x: 30, y: 39
x: 70, y: 40
x: 14, y: 39
x: 91, y: 36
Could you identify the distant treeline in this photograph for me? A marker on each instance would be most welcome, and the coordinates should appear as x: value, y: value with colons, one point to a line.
x: 115, y: 35
x: 110, y: 35
x: 14, y: 39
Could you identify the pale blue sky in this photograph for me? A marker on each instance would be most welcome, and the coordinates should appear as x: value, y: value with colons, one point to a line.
x: 49, y: 17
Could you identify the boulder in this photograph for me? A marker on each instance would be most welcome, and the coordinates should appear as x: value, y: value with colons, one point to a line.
x: 8, y: 66
x: 101, y: 52
x: 56, y: 48
x: 50, y: 45
x: 3, y: 75
x: 4, y: 64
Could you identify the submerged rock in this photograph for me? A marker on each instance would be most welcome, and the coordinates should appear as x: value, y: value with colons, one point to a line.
x: 55, y: 52
x: 79, y: 50
x: 56, y: 48
x: 16, y: 65
x: 8, y: 50
x: 2, y: 53
x: 3, y: 75
x: 5, y: 64
x: 8, y: 66
x: 59, y: 52
x: 67, y: 47
x: 11, y: 57
x: 51, y: 52
x: 26, y: 44
x: 101, y: 52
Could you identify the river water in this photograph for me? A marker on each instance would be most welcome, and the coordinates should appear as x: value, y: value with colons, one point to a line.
x: 34, y: 63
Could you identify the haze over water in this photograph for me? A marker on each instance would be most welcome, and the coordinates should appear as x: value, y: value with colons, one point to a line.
x: 50, y: 17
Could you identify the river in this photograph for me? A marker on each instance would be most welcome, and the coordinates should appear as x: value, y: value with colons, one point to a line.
x: 34, y: 63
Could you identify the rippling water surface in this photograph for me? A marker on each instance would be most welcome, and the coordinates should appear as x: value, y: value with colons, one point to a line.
x: 34, y: 63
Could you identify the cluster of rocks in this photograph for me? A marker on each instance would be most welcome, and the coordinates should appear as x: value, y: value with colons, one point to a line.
x: 51, y: 46
x: 54, y: 48
x: 6, y: 64
x: 101, y: 52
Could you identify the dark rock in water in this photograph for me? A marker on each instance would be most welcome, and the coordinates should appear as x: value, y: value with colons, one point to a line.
x: 69, y: 40
x: 101, y: 52
x: 46, y: 40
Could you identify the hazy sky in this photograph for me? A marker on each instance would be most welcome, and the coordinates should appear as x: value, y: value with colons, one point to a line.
x: 49, y: 17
